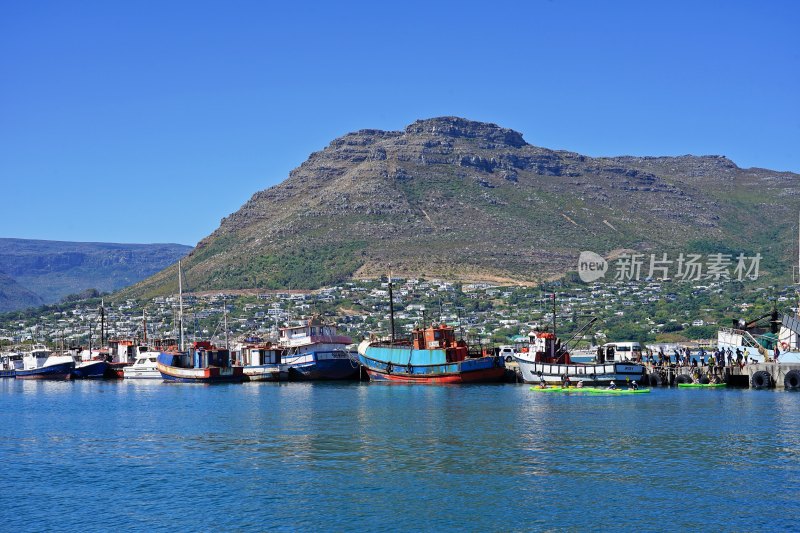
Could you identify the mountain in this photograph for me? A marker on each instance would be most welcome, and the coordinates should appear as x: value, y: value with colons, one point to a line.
x: 33, y: 272
x: 458, y: 199
x: 14, y: 296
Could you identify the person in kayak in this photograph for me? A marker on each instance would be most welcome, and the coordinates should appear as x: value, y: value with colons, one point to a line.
x: 612, y: 386
x: 580, y: 384
x: 634, y: 386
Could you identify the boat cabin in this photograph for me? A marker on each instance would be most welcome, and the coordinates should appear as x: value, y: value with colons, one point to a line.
x: 546, y: 348
x: 202, y: 355
x: 313, y: 331
x: 10, y: 361
x: 622, y: 351
x: 438, y: 338
x: 260, y: 354
x: 441, y: 336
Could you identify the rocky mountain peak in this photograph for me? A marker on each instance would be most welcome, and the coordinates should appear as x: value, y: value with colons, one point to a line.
x: 461, y: 127
x: 459, y: 199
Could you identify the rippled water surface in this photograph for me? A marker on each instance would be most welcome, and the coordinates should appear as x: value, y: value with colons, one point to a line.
x: 85, y: 456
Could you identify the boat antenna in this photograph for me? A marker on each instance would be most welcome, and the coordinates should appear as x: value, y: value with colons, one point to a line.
x: 391, y: 307
x: 180, y: 303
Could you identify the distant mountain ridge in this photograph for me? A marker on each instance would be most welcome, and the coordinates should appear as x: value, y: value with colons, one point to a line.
x: 462, y: 200
x: 34, y: 272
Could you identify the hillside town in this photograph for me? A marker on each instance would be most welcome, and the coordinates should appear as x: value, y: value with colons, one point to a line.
x: 489, y: 314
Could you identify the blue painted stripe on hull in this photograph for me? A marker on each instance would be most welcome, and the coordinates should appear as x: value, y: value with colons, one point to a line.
x: 7, y: 373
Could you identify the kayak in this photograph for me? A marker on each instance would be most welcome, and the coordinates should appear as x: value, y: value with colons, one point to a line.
x: 619, y: 391
x: 590, y: 390
x: 702, y: 385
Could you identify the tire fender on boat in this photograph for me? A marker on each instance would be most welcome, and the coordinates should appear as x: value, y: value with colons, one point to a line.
x: 683, y: 378
x: 654, y: 379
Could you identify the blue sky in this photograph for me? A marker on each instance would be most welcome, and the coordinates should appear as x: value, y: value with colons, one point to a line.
x: 150, y: 121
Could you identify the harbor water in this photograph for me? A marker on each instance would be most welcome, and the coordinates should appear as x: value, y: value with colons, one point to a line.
x: 88, y: 456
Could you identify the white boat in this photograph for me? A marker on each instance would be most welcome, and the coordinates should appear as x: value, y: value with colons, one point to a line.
x: 40, y: 363
x: 145, y: 367
x: 263, y: 363
x: 546, y: 361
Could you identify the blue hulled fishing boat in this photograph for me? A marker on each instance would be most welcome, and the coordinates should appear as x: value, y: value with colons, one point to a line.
x: 90, y: 365
x: 40, y: 363
x: 432, y: 356
x: 314, y: 351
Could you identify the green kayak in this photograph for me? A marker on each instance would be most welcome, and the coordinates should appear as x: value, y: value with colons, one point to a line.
x: 702, y: 385
x: 590, y: 390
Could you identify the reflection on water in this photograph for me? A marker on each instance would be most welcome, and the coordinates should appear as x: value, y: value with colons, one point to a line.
x: 378, y: 456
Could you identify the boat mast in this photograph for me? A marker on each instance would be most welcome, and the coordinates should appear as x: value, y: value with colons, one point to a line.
x: 144, y: 327
x: 553, y: 348
x: 180, y: 303
x: 102, y: 323
x: 225, y: 315
x: 391, y: 306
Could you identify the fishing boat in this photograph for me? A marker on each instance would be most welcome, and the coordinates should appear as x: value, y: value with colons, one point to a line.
x: 433, y: 355
x: 90, y: 365
x: 40, y: 363
x: 263, y: 362
x: 314, y: 351
x: 123, y: 353
x: 203, y: 364
x: 547, y: 360
x: 145, y: 367
x: 10, y: 362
